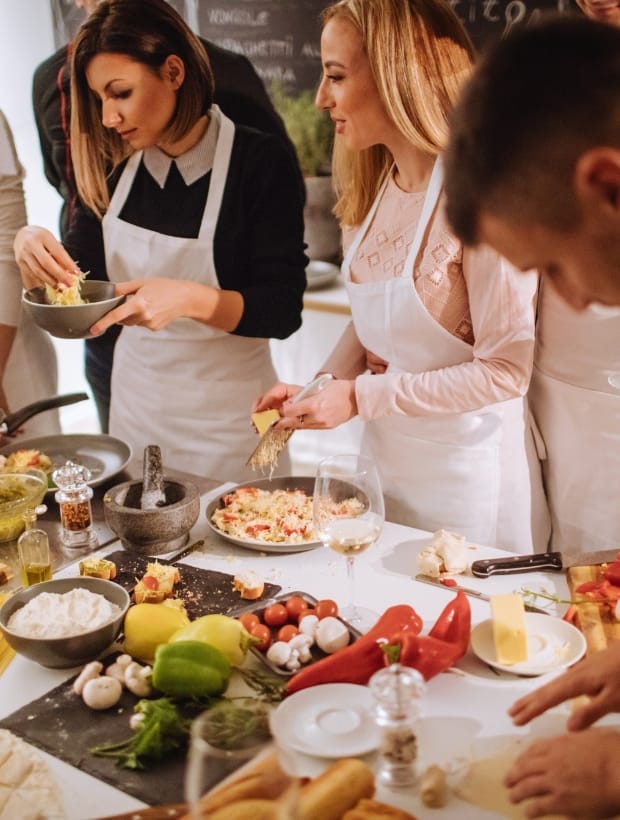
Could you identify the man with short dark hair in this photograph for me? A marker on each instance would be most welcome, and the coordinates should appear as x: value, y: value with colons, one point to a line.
x: 533, y: 169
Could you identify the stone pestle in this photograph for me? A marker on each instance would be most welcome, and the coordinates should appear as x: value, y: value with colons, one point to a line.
x: 153, y: 493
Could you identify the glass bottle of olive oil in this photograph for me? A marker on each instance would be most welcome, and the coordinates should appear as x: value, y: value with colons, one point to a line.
x: 34, y: 551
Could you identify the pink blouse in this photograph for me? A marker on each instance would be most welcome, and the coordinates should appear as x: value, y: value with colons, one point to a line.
x: 473, y: 293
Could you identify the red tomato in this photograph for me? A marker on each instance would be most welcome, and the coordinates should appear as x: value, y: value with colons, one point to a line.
x: 287, y: 632
x: 275, y: 615
x: 295, y: 606
x: 304, y: 612
x: 249, y: 621
x: 326, y: 608
x: 263, y: 633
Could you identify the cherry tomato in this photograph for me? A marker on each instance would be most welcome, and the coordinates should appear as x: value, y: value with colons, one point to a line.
x: 275, y: 615
x: 287, y: 632
x: 326, y: 608
x: 295, y: 606
x: 263, y: 633
x: 249, y: 620
x: 309, y: 611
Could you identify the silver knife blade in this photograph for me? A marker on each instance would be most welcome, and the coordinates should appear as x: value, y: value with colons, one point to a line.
x: 588, y: 559
x: 474, y: 593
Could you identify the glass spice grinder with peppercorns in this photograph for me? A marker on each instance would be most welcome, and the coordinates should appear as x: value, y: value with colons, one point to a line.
x: 73, y: 498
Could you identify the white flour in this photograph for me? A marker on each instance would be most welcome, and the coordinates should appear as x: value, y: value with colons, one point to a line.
x: 53, y: 615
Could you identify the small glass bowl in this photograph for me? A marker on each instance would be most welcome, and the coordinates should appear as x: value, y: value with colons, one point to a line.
x: 18, y: 493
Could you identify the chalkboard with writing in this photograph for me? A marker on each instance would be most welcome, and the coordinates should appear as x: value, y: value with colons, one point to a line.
x: 281, y: 38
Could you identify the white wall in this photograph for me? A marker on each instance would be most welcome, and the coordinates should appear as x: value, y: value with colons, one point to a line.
x: 26, y: 38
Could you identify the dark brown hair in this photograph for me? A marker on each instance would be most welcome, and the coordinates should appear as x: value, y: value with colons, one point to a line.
x: 147, y: 31
x: 537, y: 101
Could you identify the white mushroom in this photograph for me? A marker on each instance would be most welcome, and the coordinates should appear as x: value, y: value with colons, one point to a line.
x: 293, y: 663
x: 138, y: 679
x: 308, y: 625
x: 89, y: 672
x: 117, y: 669
x: 102, y: 692
x: 279, y: 653
x: 332, y: 635
x: 302, y: 644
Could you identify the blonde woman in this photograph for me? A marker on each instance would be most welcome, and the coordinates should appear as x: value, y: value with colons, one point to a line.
x: 438, y: 357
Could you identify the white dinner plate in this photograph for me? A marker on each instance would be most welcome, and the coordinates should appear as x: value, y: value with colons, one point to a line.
x: 329, y: 720
x: 552, y: 644
x: 320, y: 274
x: 105, y: 456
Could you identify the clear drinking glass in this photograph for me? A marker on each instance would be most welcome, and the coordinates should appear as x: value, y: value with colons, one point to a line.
x: 348, y: 515
x: 221, y: 741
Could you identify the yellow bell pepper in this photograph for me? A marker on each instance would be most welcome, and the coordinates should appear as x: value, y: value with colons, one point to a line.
x: 149, y: 625
x: 224, y: 633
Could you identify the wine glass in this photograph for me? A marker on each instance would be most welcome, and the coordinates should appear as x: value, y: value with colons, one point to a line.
x: 348, y: 515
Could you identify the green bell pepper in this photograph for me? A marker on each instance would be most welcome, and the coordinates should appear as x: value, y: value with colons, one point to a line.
x: 190, y: 669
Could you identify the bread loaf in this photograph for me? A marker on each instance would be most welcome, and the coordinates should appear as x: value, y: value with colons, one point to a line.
x: 247, y: 810
x: 264, y: 780
x: 368, y: 809
x: 336, y: 790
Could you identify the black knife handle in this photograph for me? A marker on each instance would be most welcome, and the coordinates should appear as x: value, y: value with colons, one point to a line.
x: 517, y: 563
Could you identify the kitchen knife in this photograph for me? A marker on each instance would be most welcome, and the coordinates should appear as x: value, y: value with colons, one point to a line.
x: 517, y: 563
x: 13, y: 421
x: 554, y: 561
x: 474, y: 593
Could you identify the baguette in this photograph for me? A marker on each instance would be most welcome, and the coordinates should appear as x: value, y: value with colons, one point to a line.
x: 336, y: 790
x: 249, y: 585
x: 247, y: 810
x: 156, y: 584
x: 264, y: 780
x: 368, y: 809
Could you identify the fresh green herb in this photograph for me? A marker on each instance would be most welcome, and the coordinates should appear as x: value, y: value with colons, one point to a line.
x: 267, y: 686
x: 530, y: 596
x: 236, y: 723
x: 162, y: 730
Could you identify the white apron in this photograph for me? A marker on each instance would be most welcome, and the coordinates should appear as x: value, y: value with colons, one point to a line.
x: 188, y: 388
x: 575, y: 398
x: 467, y: 472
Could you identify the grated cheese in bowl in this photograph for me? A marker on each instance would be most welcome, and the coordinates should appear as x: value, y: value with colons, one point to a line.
x: 63, y: 615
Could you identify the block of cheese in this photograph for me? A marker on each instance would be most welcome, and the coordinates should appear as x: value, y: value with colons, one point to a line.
x: 263, y: 421
x: 509, y: 629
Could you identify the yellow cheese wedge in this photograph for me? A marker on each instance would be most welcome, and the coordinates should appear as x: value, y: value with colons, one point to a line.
x: 263, y: 421
x: 509, y: 629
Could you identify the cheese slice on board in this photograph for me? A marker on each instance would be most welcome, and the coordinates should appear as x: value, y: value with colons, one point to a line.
x: 263, y: 421
x: 509, y: 629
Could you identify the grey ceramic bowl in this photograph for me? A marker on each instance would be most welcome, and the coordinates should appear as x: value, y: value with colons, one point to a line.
x: 152, y: 532
x: 72, y: 321
x: 63, y: 653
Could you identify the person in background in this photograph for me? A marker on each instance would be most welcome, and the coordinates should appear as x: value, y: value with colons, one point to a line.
x: 200, y: 224
x: 533, y: 170
x: 447, y: 333
x: 552, y: 207
x: 27, y: 356
x: 605, y: 11
x: 240, y: 94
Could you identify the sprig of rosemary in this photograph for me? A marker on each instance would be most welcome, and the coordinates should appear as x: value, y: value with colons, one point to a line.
x: 532, y: 594
x: 267, y: 686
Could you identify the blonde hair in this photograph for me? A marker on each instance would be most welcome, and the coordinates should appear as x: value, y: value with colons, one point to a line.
x: 419, y: 55
x: 147, y: 31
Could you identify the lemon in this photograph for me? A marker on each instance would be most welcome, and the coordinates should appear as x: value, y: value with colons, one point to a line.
x: 149, y: 625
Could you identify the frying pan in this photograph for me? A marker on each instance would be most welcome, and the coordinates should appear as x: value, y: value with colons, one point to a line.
x: 13, y: 421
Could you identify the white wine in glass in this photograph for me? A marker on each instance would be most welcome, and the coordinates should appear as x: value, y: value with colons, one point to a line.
x: 348, y: 515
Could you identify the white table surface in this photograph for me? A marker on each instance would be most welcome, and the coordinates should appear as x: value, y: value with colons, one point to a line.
x: 463, y: 712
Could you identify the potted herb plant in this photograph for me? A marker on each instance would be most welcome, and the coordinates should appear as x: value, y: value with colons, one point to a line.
x: 311, y: 132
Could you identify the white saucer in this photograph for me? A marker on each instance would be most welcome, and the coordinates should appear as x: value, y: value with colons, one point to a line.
x: 329, y: 720
x: 552, y: 644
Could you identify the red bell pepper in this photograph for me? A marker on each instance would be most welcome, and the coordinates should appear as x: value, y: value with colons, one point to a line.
x: 358, y: 662
x: 454, y: 623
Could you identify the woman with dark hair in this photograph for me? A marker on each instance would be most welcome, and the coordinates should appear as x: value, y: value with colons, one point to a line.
x: 200, y: 224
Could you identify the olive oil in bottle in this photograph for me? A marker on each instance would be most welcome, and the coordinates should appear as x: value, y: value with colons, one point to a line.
x: 34, y: 551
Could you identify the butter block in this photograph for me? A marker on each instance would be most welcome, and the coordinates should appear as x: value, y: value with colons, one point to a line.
x: 263, y: 421
x: 509, y: 628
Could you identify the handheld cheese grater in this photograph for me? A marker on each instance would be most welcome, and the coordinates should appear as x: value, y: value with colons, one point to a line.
x: 272, y: 442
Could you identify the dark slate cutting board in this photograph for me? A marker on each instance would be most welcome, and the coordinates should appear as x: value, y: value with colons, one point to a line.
x: 61, y: 724
x: 203, y: 591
